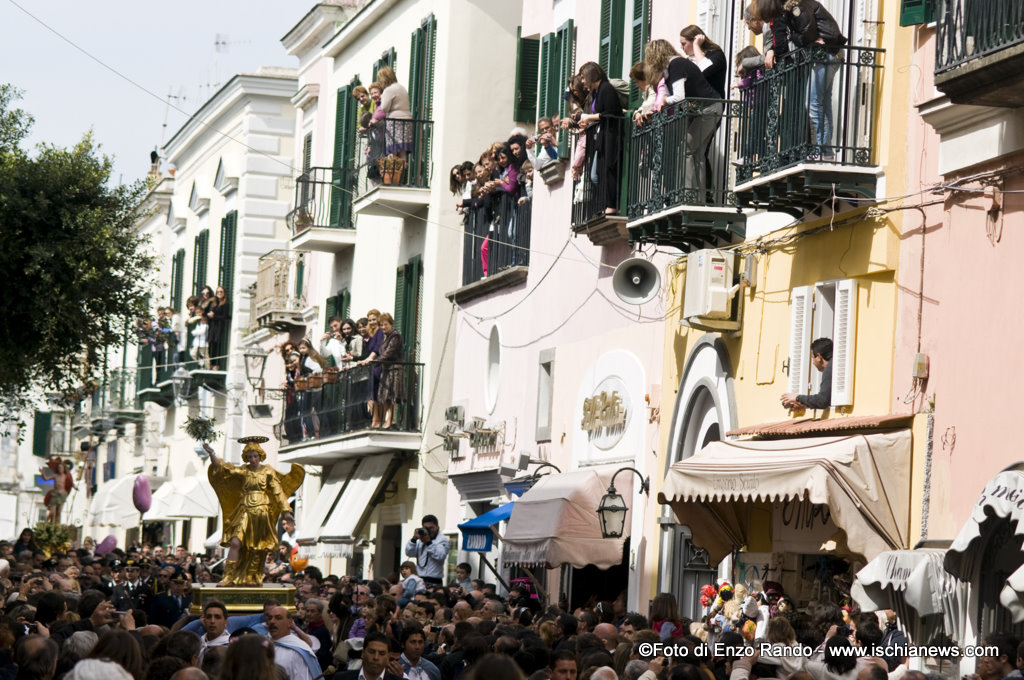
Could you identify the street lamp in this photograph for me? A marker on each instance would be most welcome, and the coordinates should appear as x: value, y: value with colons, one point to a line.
x: 181, y: 381
x: 612, y: 510
x: 255, y: 362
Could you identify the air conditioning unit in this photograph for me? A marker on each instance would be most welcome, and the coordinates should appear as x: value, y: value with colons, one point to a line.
x: 710, y: 291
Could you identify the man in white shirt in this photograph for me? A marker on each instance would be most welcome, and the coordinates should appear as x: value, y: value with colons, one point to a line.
x: 215, y: 622
x: 331, y: 344
x: 414, y: 666
x: 290, y: 652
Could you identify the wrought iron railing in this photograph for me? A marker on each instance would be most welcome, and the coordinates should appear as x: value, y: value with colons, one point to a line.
x: 969, y: 29
x: 681, y: 156
x: 497, y: 236
x: 816, y: 105
x: 323, y: 199
x: 600, y: 181
x: 394, y: 152
x: 330, y: 404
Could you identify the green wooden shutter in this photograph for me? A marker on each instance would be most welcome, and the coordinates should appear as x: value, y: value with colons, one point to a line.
x: 544, y: 89
x: 307, y: 153
x: 613, y: 13
x: 400, y: 291
x: 414, y: 307
x: 566, y: 51
x: 200, y: 253
x: 177, y: 279
x: 228, y: 239
x: 416, y: 71
x: 330, y: 310
x: 300, y: 277
x: 429, y: 54
x: 344, y: 152
x: 345, y: 303
x: 41, y: 433
x: 641, y: 33
x: 527, y: 62
x: 913, y: 12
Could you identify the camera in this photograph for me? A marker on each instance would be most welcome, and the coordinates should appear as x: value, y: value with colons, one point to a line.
x: 421, y: 532
x: 844, y: 630
x: 435, y: 629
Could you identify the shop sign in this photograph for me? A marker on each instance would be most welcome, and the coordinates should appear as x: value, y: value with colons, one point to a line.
x: 606, y: 413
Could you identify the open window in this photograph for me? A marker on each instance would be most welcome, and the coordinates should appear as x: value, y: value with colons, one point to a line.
x: 828, y: 309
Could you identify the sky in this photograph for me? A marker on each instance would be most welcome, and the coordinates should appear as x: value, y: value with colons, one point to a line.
x: 165, y: 47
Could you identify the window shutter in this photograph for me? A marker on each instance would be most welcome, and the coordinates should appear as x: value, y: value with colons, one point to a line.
x: 300, y: 277
x: 307, y: 153
x: 566, y: 51
x: 641, y: 33
x: 416, y: 71
x: 414, y: 305
x: 177, y: 279
x: 844, y: 336
x: 527, y: 58
x: 610, y: 45
x: 228, y: 238
x: 800, y: 339
x: 913, y: 12
x: 429, y: 53
x: 400, y: 299
x: 544, y: 91
x: 345, y: 303
x: 330, y: 310
x: 41, y: 433
x: 200, y: 252
x: 344, y: 143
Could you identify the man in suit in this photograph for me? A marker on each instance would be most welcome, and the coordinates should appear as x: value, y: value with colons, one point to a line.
x: 170, y: 606
x: 375, y: 660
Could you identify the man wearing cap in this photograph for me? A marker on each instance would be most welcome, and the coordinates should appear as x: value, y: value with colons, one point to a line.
x: 170, y: 606
x: 138, y: 589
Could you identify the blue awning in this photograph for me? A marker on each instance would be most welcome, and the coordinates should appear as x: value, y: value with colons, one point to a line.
x: 476, y: 533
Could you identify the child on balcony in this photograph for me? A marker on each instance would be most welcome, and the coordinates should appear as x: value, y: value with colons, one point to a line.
x: 201, y: 343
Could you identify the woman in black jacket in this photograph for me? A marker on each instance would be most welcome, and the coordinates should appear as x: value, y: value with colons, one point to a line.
x: 606, y: 114
x: 806, y: 23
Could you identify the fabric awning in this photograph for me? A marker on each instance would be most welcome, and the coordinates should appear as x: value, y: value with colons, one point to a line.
x: 477, y: 535
x: 112, y: 505
x: 341, y: 529
x: 863, y: 479
x: 182, y: 499
x: 1002, y: 500
x: 307, y: 532
x: 928, y: 600
x: 556, y: 523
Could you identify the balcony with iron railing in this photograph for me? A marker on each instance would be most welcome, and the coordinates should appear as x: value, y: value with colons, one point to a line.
x: 322, y: 218
x: 979, y: 51
x: 680, y: 176
x: 599, y: 184
x: 279, y: 300
x: 325, y: 417
x: 808, y: 130
x: 392, y: 174
x: 496, y: 245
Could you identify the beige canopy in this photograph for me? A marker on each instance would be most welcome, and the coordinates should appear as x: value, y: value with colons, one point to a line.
x: 1002, y: 500
x: 556, y: 522
x: 864, y: 480
x: 929, y: 601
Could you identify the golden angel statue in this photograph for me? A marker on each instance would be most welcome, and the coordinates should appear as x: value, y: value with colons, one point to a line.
x: 252, y: 496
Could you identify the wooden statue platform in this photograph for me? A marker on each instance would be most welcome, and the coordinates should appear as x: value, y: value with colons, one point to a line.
x: 241, y: 600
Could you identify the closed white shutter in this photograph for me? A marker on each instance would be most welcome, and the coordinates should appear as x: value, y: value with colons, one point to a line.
x: 844, y: 336
x: 800, y: 338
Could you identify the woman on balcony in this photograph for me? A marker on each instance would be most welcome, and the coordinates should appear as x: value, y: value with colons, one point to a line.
x: 806, y: 23
x: 219, y: 315
x: 684, y: 80
x: 392, y: 389
x: 707, y: 55
x: 606, y: 114
x: 394, y: 106
x: 372, y: 349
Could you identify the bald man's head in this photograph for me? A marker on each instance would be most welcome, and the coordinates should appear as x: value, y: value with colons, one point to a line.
x: 609, y: 636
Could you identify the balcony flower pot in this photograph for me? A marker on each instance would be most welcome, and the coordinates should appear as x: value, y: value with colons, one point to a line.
x: 392, y: 168
x: 331, y: 375
x: 301, y: 384
x: 316, y: 381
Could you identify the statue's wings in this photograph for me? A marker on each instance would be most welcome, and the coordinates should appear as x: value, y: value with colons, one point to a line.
x: 293, y: 480
x: 228, y: 484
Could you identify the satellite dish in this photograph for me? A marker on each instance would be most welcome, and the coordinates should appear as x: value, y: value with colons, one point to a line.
x: 636, y: 281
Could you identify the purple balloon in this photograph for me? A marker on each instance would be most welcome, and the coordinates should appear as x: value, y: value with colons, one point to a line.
x: 106, y: 545
x: 142, y: 495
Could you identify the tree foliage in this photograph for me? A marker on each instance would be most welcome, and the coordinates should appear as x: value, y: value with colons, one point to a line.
x: 75, y: 271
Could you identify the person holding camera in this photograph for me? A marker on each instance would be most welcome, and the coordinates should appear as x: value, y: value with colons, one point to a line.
x: 542, y: 148
x: 430, y: 551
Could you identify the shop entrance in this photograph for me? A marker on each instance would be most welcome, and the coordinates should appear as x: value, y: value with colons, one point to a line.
x: 587, y: 586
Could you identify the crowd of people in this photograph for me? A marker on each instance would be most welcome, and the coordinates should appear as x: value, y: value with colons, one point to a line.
x: 365, y: 358
x: 127, y: 615
x: 201, y: 335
